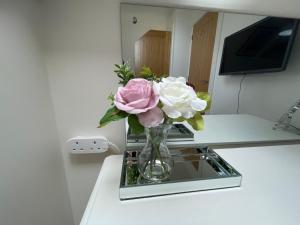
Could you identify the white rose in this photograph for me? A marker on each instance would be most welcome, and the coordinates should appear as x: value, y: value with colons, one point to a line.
x: 179, y: 99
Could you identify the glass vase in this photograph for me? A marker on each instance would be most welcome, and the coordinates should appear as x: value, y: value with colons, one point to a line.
x: 155, y: 162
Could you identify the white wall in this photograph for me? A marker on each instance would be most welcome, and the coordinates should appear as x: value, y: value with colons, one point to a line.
x: 265, y: 95
x: 183, y: 22
x: 149, y: 18
x: 82, y: 41
x: 33, y: 188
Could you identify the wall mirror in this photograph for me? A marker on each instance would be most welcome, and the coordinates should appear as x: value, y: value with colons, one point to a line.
x: 248, y: 63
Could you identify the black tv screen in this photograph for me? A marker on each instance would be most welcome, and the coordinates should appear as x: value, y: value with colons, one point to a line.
x: 262, y: 47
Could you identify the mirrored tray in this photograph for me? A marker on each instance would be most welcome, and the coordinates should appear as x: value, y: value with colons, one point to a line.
x: 196, y: 169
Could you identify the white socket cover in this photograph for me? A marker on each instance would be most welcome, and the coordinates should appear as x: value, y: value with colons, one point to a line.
x: 87, y: 145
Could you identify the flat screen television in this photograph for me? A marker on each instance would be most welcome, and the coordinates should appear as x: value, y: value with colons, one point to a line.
x: 262, y: 47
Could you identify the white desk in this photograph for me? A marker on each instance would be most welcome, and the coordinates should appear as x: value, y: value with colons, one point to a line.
x: 237, y: 129
x: 269, y: 195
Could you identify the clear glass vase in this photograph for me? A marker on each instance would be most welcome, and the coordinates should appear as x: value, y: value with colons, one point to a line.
x: 155, y: 162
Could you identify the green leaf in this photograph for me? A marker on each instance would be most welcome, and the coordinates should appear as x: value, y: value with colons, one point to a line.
x: 112, y: 114
x: 134, y: 124
x: 111, y: 98
x: 196, y: 122
x: 160, y: 105
x: 206, y: 97
x: 179, y: 119
x: 132, y: 174
x: 124, y: 72
x: 146, y: 72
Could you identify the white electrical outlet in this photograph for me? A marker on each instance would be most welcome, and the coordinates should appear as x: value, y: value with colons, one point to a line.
x: 87, y: 145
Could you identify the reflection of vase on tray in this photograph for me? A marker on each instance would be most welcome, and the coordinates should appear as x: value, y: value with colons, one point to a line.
x: 152, y: 104
x: 155, y: 162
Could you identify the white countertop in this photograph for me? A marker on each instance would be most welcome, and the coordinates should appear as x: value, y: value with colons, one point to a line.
x: 221, y: 130
x: 269, y: 195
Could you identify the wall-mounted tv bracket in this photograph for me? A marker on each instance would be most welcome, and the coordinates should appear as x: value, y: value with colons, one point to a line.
x: 285, y: 120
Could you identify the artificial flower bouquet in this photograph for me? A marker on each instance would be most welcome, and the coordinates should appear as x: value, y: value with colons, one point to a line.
x: 152, y: 104
x: 149, y: 101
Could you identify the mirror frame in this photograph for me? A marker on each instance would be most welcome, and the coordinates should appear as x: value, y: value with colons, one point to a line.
x: 279, y: 8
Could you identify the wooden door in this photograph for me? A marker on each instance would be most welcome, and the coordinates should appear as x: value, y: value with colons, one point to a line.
x: 153, y: 50
x: 204, y: 33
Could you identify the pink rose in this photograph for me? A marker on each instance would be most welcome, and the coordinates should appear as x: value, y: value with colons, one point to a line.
x: 151, y: 118
x: 136, y: 97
